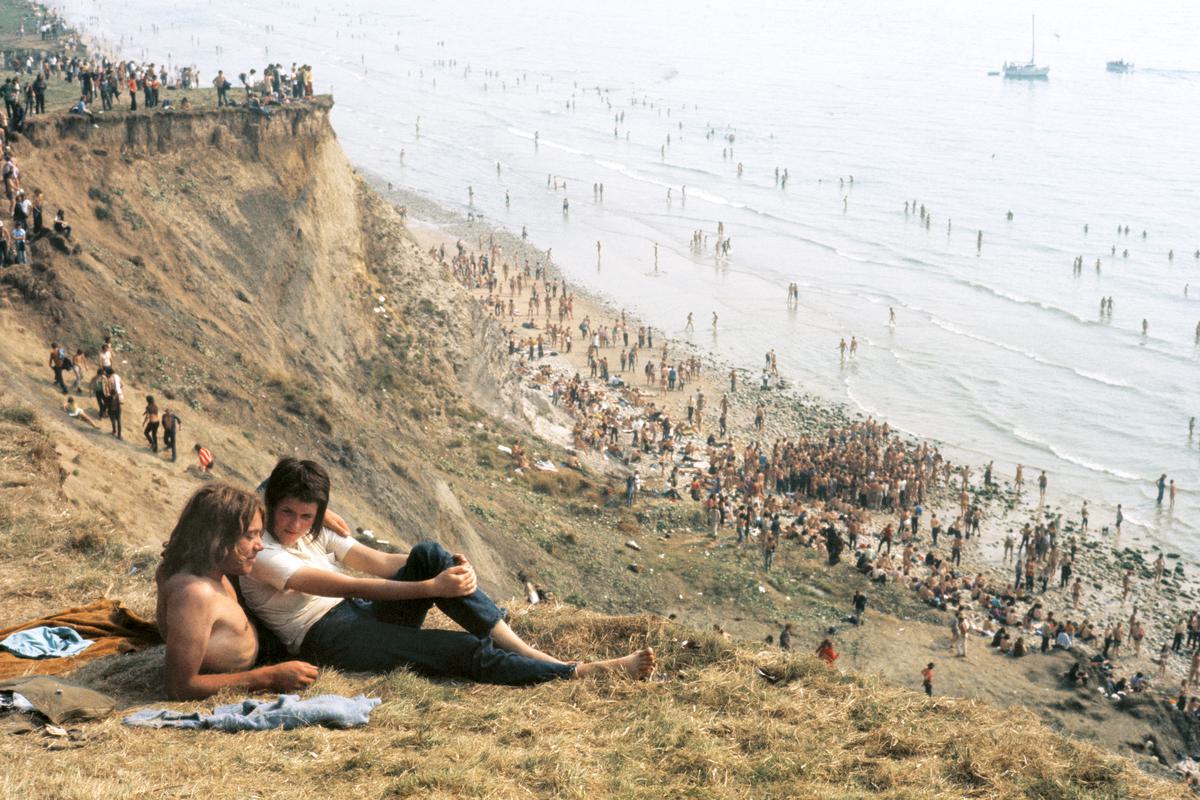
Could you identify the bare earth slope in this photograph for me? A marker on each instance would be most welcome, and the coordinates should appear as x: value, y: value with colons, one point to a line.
x: 249, y: 279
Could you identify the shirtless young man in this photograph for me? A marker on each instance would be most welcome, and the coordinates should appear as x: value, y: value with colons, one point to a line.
x: 211, y: 644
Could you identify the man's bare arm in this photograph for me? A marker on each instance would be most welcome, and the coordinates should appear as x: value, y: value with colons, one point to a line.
x: 190, y: 618
x: 457, y: 581
x: 336, y: 524
x: 374, y: 562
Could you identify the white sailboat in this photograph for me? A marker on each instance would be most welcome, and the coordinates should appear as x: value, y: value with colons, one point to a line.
x: 1030, y: 71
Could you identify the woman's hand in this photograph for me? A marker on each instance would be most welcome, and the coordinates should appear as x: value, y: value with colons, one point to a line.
x: 457, y: 581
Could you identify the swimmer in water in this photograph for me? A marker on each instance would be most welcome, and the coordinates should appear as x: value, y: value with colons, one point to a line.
x: 978, y: 241
x: 691, y: 325
x: 714, y: 322
x: 1145, y: 327
x: 853, y: 346
x: 842, y: 348
x: 891, y: 316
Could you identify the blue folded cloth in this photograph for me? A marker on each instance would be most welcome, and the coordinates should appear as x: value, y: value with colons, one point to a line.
x: 287, y: 712
x: 46, y: 642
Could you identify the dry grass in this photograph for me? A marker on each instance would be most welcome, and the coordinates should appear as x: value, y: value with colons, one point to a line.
x: 708, y: 726
x: 56, y: 553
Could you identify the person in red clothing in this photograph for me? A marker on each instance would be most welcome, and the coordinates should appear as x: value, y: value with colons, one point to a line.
x: 826, y: 653
x: 205, y: 456
x: 927, y: 679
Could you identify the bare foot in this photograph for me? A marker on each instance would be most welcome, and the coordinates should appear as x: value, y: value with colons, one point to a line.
x: 638, y: 665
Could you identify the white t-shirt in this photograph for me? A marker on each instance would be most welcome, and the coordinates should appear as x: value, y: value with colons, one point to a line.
x: 287, y: 612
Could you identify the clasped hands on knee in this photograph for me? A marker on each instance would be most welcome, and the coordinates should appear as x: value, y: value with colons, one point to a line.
x: 456, y: 581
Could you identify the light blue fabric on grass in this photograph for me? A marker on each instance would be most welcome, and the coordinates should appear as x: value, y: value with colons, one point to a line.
x: 46, y: 642
x: 287, y: 711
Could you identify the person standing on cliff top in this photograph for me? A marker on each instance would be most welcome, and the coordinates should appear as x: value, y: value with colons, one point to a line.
x: 221, y: 83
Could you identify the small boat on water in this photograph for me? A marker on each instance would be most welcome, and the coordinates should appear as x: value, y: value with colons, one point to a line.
x: 1030, y: 71
x: 1119, y: 66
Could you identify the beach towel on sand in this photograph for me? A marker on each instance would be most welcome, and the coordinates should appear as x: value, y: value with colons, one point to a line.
x: 111, y: 626
x: 46, y: 642
x: 287, y: 711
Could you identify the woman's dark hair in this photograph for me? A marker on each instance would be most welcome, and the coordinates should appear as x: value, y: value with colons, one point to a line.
x: 213, y: 520
x: 306, y: 481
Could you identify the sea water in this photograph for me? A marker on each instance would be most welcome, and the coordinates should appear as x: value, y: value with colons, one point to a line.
x: 998, y: 351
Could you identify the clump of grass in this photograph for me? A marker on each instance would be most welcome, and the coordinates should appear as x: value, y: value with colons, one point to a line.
x: 19, y: 415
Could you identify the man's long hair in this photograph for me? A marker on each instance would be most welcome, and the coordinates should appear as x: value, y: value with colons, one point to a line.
x: 306, y: 481
x: 213, y: 520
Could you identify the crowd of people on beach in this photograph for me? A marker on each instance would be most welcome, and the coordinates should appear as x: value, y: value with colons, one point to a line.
x: 854, y: 486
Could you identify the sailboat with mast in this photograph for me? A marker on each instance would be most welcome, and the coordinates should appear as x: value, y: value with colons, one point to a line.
x: 1030, y: 71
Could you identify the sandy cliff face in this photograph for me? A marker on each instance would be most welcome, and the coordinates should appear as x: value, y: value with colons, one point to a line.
x: 250, y: 278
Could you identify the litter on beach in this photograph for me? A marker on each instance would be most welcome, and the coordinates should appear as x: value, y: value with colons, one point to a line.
x: 546, y: 466
x: 504, y: 449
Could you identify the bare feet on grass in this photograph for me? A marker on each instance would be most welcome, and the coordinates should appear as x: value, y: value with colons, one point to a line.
x: 638, y: 665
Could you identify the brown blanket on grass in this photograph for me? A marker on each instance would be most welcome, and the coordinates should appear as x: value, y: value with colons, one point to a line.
x: 111, y: 626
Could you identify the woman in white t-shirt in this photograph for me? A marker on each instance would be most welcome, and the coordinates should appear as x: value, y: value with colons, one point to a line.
x: 299, y: 590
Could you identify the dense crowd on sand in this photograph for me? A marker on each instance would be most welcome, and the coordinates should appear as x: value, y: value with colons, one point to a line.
x: 853, y: 488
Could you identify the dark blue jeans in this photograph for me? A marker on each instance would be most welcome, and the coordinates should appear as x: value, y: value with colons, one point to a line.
x: 360, y: 636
